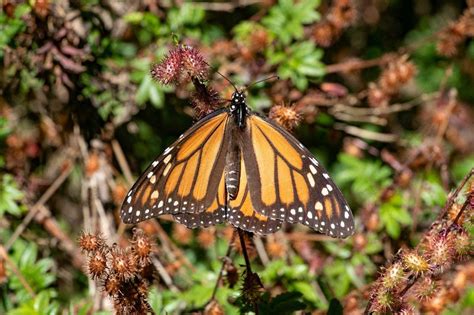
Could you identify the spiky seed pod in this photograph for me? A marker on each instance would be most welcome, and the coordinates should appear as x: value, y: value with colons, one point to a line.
x: 169, y: 69
x: 276, y: 249
x: 142, y: 287
x: 383, y: 302
x: 252, y: 288
x: 123, y: 263
x: 415, y: 262
x: 181, y: 234
x: 205, y: 99
x: 462, y: 243
x: 324, y: 33
x: 193, y: 63
x: 425, y: 289
x: 213, y: 308
x: 141, y: 246
x: 406, y: 310
x: 285, y: 116
x: 231, y: 273
x: 439, y: 251
x: 112, y: 285
x: 396, y: 74
x: 376, y: 97
x: 206, y: 237
x: 342, y: 14
x: 97, y: 264
x: 249, y: 245
x: 436, y: 304
x: 91, y: 242
x: 259, y: 40
x: 393, y: 276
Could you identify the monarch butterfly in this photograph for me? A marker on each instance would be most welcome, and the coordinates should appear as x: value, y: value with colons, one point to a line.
x: 237, y: 166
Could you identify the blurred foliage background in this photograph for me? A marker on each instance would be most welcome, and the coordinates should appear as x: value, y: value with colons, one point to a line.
x: 383, y: 90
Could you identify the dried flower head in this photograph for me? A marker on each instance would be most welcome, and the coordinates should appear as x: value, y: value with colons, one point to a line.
x: 181, y: 234
x: 205, y: 99
x: 123, y: 263
x: 181, y: 63
x: 324, y: 33
x: 193, y: 63
x: 397, y: 73
x: 91, y: 242
x: 285, y: 116
x: 206, y: 237
x: 169, y: 69
x: 231, y: 273
x: 276, y: 249
x: 249, y: 245
x: 112, y: 284
x: 97, y: 265
x: 141, y: 246
x: 213, y: 308
x: 376, y: 96
x: 252, y: 288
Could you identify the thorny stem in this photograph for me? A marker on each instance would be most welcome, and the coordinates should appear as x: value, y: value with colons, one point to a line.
x: 219, y: 277
x: 466, y: 204
x: 448, y: 205
x: 244, y: 251
x: 455, y: 194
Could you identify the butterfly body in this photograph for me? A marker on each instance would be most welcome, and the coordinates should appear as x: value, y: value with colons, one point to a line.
x: 234, y: 165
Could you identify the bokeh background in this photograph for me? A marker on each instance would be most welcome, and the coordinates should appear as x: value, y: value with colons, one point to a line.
x: 383, y: 93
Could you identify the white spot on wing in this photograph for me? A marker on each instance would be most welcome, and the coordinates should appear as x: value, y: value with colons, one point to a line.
x: 324, y: 191
x: 310, y: 179
x: 318, y: 206
x: 313, y: 169
x: 167, y: 169
x: 167, y: 159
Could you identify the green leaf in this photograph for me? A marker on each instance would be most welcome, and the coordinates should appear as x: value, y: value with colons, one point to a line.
x: 365, y: 178
x: 300, y: 62
x: 286, y: 20
x: 394, y: 215
x: 10, y: 196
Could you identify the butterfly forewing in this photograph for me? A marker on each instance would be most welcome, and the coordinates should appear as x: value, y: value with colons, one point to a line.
x: 289, y: 184
x: 180, y: 180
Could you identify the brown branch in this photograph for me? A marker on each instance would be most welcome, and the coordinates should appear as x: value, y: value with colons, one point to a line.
x: 4, y: 255
x: 40, y: 203
x: 357, y: 64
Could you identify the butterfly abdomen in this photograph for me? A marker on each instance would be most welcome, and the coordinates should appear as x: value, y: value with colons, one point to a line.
x: 232, y: 169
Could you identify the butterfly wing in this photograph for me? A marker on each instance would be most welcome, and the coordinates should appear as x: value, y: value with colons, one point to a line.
x: 289, y: 184
x: 180, y: 181
x: 242, y: 211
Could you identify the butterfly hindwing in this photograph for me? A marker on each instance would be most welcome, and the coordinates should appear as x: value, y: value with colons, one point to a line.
x: 289, y: 184
x: 180, y: 180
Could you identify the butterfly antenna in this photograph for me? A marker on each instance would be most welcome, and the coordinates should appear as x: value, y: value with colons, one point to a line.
x: 226, y: 78
x: 263, y: 80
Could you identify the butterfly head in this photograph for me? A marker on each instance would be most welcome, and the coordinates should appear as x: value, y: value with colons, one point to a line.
x: 238, y: 108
